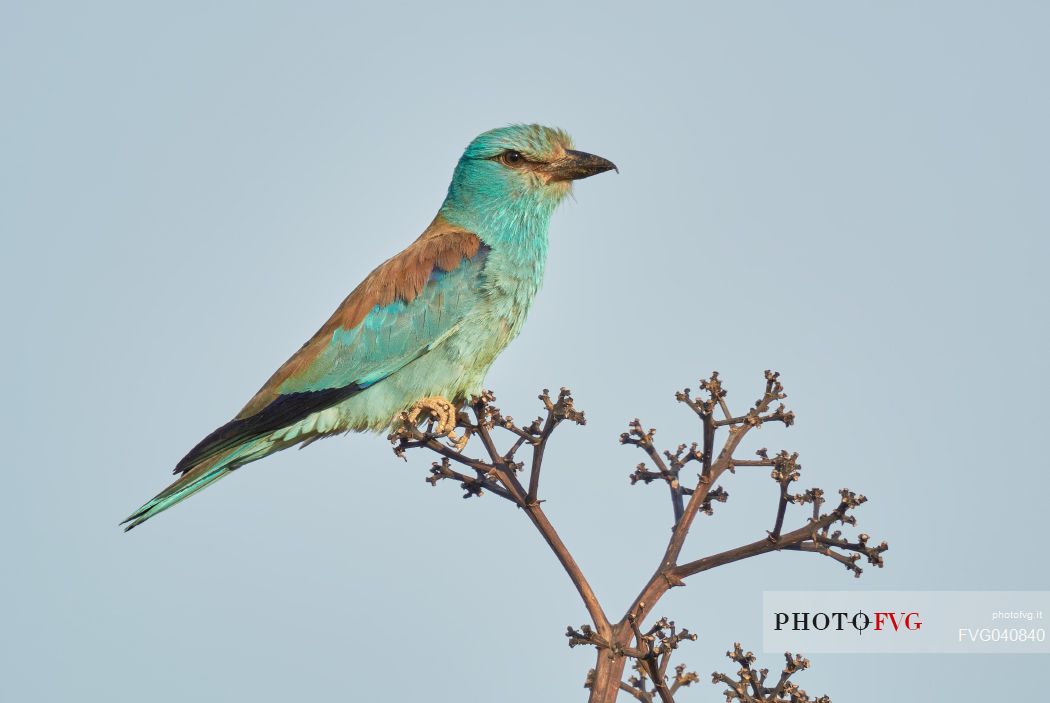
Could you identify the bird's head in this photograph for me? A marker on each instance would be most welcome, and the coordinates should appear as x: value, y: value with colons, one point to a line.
x: 516, y: 171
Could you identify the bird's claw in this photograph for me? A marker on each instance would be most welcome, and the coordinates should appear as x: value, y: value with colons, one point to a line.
x: 459, y: 443
x: 444, y: 415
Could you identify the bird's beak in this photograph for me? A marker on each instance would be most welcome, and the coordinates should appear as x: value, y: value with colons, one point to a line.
x: 576, y: 165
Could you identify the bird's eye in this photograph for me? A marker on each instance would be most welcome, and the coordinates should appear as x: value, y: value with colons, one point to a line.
x: 512, y: 158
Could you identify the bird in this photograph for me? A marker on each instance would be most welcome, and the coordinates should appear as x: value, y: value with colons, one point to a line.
x: 418, y: 335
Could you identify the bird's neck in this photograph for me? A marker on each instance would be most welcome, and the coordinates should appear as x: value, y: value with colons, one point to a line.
x: 515, y: 229
x: 515, y: 232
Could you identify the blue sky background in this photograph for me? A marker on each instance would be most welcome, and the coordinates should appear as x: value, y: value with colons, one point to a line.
x: 853, y: 193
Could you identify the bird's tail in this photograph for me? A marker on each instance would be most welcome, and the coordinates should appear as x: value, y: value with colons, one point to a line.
x: 197, y: 478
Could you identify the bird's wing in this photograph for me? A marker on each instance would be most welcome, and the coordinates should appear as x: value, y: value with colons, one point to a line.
x: 398, y: 314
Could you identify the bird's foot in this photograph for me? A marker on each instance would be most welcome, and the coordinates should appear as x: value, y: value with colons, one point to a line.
x: 459, y: 443
x: 443, y: 415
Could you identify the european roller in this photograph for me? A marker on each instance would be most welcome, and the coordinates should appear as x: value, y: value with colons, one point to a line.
x: 421, y: 331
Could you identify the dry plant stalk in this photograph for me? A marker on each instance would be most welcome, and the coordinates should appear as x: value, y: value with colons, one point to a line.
x: 649, y: 649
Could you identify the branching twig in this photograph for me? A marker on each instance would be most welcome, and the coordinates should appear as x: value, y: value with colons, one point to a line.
x: 649, y: 649
x: 749, y: 686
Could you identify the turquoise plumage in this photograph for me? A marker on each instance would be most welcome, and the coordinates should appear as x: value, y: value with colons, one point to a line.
x: 426, y: 324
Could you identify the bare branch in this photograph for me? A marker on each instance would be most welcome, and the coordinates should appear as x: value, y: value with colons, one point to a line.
x: 473, y: 486
x: 650, y: 649
x: 668, y: 471
x: 749, y: 686
x: 498, y: 472
x: 557, y: 411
